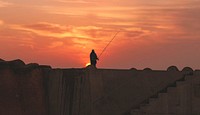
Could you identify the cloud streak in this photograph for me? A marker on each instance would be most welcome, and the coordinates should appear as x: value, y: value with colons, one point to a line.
x: 5, y: 4
x: 75, y: 1
x: 79, y: 36
x: 61, y: 31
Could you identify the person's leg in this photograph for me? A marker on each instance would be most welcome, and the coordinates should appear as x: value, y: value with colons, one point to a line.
x: 95, y: 62
x: 91, y: 62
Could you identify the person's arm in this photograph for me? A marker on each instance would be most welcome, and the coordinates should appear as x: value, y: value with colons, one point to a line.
x: 96, y: 57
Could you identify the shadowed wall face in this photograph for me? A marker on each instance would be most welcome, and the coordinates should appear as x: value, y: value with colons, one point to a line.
x: 39, y: 90
x: 69, y: 92
x: 105, y: 92
x: 22, y: 90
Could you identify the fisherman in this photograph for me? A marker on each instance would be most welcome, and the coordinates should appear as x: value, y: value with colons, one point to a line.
x: 93, y: 58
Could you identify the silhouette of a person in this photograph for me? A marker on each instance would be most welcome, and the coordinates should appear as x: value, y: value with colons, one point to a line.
x: 93, y: 58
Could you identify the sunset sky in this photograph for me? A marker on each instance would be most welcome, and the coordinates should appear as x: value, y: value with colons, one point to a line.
x: 61, y: 33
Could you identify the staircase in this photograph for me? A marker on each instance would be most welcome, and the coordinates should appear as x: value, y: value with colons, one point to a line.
x: 172, y: 100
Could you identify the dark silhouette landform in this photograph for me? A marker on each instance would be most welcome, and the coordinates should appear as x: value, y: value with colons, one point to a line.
x: 32, y: 89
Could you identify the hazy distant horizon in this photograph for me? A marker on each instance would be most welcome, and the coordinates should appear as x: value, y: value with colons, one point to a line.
x: 62, y: 33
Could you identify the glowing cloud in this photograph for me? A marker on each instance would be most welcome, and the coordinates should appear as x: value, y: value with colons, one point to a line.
x: 56, y: 44
x: 1, y: 22
x: 75, y: 1
x: 5, y: 4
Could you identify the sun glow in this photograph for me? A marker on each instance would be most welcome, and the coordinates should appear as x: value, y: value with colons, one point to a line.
x: 87, y: 64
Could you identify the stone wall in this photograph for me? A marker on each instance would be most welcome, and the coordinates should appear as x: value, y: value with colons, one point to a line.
x: 181, y: 99
x: 69, y: 92
x: 22, y: 90
x: 122, y: 90
x: 40, y: 90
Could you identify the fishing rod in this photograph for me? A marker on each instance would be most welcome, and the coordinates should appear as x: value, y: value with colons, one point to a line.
x: 109, y: 43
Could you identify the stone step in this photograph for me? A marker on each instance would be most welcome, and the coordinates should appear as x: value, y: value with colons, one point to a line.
x: 180, y: 83
x: 145, y: 107
x: 160, y: 95
x: 188, y: 77
x: 143, y: 104
x: 152, y: 100
x: 135, y: 112
x: 171, y: 89
x: 159, y: 98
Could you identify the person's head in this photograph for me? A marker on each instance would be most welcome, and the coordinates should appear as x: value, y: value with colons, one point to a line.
x: 92, y: 50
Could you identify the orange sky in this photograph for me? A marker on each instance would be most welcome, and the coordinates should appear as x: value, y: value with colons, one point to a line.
x: 61, y: 33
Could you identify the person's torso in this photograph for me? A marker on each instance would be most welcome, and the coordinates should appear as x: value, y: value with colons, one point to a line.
x: 93, y: 56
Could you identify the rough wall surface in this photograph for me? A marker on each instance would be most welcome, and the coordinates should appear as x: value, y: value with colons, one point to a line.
x: 69, y: 92
x: 39, y: 90
x: 126, y: 89
x: 181, y: 99
x: 22, y: 90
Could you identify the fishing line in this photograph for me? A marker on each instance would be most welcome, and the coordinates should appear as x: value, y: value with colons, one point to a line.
x: 109, y: 43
